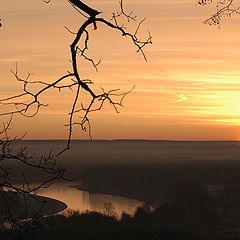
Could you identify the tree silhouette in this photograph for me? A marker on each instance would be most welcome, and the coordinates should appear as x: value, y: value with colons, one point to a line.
x: 25, y: 101
x: 109, y: 210
x: 224, y: 9
x: 114, y: 96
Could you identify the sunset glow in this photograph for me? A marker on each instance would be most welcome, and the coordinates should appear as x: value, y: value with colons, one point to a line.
x: 187, y: 90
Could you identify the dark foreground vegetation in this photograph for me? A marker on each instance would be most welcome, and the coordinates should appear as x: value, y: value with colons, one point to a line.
x: 93, y: 225
x: 191, y: 214
x: 199, y: 200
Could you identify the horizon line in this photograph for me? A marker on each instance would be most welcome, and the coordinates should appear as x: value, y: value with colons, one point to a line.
x: 131, y: 139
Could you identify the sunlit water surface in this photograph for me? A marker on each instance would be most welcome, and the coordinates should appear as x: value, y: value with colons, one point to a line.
x: 82, y: 200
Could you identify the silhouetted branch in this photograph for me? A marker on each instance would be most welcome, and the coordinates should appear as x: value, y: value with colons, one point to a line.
x: 85, y: 8
x: 12, y: 210
x: 46, y: 164
x: 129, y: 16
x: 82, y: 52
x: 31, y: 106
x: 224, y: 8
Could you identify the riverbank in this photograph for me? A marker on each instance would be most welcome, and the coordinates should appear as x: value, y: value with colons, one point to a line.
x: 20, y: 206
x: 155, y: 183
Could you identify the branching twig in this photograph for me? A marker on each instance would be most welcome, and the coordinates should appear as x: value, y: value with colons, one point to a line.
x: 28, y: 99
x: 225, y: 8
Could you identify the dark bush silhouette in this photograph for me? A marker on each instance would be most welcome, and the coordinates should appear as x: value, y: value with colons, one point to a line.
x: 93, y: 225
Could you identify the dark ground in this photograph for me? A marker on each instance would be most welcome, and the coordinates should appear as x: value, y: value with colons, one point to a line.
x: 152, y: 183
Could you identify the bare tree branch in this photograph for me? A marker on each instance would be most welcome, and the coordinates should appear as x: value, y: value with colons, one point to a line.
x: 31, y: 107
x: 224, y: 9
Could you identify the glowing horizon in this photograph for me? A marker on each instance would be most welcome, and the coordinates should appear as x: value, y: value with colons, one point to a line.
x: 188, y: 89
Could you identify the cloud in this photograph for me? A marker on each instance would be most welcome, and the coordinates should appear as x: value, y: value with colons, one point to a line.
x: 181, y: 97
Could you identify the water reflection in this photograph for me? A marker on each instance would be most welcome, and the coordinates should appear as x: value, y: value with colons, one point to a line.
x: 82, y: 200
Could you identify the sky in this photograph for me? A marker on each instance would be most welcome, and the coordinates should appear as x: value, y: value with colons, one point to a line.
x: 187, y: 90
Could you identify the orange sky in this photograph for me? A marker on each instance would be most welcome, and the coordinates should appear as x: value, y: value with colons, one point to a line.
x: 188, y: 89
